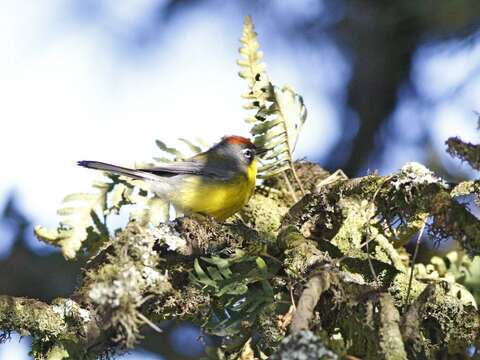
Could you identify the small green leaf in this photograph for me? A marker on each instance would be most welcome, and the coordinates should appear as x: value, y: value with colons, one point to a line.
x: 233, y: 289
x: 214, y: 273
x: 194, y: 148
x: 162, y: 146
x: 261, y: 264
x: 117, y: 197
x: 201, y: 276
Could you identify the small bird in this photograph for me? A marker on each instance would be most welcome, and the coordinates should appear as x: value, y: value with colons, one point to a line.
x: 217, y: 182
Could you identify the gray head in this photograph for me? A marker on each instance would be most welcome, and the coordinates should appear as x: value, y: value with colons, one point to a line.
x: 236, y: 148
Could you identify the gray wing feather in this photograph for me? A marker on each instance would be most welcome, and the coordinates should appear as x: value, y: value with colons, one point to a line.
x: 178, y: 168
x: 134, y: 173
x: 217, y: 170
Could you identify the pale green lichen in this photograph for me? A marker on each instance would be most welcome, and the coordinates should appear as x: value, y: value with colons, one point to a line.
x: 118, y: 288
x: 126, y: 279
x: 390, y: 339
x: 269, y: 330
x: 431, y: 273
x: 414, y: 174
x: 58, y: 352
x: 300, y: 253
x: 125, y: 288
x: 465, y: 188
x: 356, y: 224
x: 166, y: 234
x: 263, y: 214
x: 304, y: 345
x: 446, y: 318
x: 32, y: 318
x: 399, y: 288
x: 67, y: 308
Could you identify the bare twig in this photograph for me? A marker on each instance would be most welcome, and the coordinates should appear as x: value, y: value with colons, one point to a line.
x: 297, y: 179
x: 415, y: 253
x: 371, y: 265
x: 149, y: 322
x: 290, y: 187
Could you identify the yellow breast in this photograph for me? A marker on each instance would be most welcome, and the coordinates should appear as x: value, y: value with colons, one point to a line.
x: 219, y: 199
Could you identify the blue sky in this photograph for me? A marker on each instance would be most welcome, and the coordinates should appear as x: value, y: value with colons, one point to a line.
x: 69, y: 92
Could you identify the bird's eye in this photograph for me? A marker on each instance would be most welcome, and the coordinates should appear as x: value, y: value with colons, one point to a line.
x: 248, y: 153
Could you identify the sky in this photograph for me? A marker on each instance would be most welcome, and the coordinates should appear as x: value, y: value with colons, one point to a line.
x: 71, y: 89
x: 70, y: 92
x: 444, y: 103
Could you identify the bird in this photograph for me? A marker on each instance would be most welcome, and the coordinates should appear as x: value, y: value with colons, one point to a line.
x: 217, y: 182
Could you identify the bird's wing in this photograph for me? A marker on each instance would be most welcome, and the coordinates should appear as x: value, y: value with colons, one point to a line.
x: 197, y: 165
x: 178, y: 168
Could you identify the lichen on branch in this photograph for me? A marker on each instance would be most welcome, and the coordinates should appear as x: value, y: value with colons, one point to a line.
x: 325, y: 276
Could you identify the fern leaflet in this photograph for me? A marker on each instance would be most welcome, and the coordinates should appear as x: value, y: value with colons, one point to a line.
x: 279, y: 113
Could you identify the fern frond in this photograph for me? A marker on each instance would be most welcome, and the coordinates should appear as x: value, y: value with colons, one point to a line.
x: 251, y: 57
x: 280, y: 134
x: 154, y: 211
x: 279, y: 113
x: 120, y: 196
x: 193, y: 148
x: 76, y: 220
x: 178, y: 155
x: 170, y: 150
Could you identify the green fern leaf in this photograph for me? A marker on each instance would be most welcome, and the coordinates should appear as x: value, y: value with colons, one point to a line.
x: 193, y: 148
x: 177, y: 154
x: 279, y: 113
x: 155, y: 211
x: 281, y: 133
x: 169, y: 150
x: 119, y: 197
x: 75, y: 218
x: 251, y: 57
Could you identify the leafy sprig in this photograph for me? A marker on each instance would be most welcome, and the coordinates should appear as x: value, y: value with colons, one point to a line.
x: 279, y: 112
x: 80, y: 218
x: 240, y: 285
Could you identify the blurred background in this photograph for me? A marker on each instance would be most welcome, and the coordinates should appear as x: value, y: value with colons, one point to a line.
x: 385, y: 82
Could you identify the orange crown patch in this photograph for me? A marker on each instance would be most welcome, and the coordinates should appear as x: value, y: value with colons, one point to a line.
x: 238, y: 140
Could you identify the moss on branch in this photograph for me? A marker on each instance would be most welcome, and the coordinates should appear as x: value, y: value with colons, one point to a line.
x: 331, y: 266
x: 336, y: 254
x: 31, y: 317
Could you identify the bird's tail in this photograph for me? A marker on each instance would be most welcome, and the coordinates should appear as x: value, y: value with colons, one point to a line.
x: 133, y: 173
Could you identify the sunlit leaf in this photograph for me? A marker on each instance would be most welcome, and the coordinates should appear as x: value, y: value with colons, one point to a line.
x: 170, y: 150
x: 195, y: 149
x: 279, y: 112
